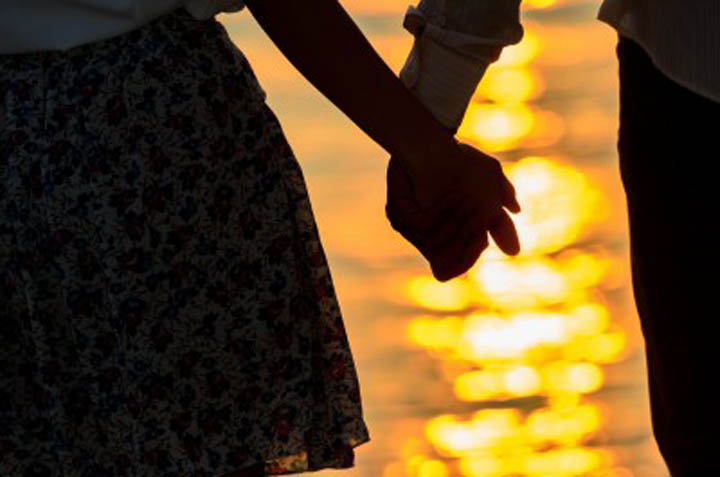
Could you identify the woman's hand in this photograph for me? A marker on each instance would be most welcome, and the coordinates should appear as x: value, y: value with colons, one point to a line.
x: 316, y: 41
x: 446, y: 212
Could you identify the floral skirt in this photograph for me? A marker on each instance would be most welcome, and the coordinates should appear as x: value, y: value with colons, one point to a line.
x: 166, y: 307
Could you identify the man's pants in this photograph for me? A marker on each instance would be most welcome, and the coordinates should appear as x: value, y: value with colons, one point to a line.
x: 667, y: 143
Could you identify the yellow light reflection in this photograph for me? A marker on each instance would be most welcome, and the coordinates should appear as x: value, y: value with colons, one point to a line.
x: 491, y: 337
x: 450, y: 435
x: 435, y: 334
x: 490, y: 436
x: 549, y: 129
x: 532, y: 282
x: 484, y: 465
x: 589, y: 319
x: 498, y: 383
x: 578, y: 332
x: 521, y: 53
x: 606, y: 348
x: 533, y: 327
x: 565, y: 426
x: 558, y: 203
x: 572, y: 377
x: 542, y: 330
x: 496, y: 127
x: 522, y: 381
x: 510, y: 85
x: 554, y: 463
x: 478, y: 386
x: 507, y: 382
x: 433, y: 468
x: 565, y: 462
x: 429, y: 293
x: 539, y: 4
x: 413, y: 463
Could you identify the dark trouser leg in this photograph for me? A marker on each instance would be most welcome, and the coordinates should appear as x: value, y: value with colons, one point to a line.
x: 667, y: 146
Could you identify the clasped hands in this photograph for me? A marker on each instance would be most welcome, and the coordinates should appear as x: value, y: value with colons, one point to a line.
x: 447, y: 212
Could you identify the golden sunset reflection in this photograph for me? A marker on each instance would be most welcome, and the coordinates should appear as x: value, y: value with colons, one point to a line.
x: 583, y: 332
x: 510, y: 85
x: 504, y: 442
x: 521, y: 53
x: 525, y: 366
x: 559, y: 202
x: 497, y: 127
x: 540, y: 3
x: 534, y: 326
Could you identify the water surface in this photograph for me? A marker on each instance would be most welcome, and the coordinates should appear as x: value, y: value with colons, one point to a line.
x: 525, y: 366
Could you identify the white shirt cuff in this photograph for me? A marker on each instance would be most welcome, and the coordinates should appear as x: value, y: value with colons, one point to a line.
x: 445, y: 67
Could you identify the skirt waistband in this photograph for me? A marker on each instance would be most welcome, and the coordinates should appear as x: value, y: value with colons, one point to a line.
x: 169, y: 25
x: 173, y: 42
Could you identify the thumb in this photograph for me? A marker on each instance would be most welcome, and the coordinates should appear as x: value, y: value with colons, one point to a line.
x: 509, y: 197
x: 504, y: 233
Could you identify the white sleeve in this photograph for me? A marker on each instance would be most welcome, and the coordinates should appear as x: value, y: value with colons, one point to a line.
x: 455, y: 42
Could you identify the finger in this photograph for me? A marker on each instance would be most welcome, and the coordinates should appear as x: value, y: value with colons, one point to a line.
x: 473, y: 252
x: 404, y: 215
x: 472, y: 225
x: 444, y: 271
x: 442, y: 243
x: 403, y: 212
x: 446, y: 220
x: 472, y: 233
x: 466, y: 210
x: 508, y: 195
x: 463, y: 216
x: 435, y: 239
x: 447, y: 254
x: 442, y: 232
x: 432, y: 222
x: 507, y: 189
x: 503, y: 232
x: 470, y: 255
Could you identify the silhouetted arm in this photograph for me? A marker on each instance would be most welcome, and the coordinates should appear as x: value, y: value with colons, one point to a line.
x: 321, y: 40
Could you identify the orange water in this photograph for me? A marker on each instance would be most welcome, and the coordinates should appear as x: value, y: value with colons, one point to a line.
x: 525, y: 366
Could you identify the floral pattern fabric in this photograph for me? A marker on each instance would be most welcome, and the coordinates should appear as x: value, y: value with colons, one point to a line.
x: 166, y: 307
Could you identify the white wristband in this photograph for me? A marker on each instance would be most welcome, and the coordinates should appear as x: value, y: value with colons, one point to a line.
x: 442, y: 79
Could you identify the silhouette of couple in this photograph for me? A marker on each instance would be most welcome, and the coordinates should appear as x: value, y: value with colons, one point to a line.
x: 167, y: 308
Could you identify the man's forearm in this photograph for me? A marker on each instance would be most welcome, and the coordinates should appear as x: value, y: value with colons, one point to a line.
x: 326, y: 46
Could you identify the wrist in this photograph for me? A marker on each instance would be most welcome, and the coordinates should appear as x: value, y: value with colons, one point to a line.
x: 443, y: 79
x: 428, y: 153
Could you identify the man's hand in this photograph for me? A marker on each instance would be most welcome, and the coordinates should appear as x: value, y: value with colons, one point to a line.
x: 447, y: 233
x: 432, y: 231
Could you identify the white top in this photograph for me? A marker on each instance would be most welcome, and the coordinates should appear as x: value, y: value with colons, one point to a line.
x: 447, y: 60
x: 682, y: 37
x: 42, y: 25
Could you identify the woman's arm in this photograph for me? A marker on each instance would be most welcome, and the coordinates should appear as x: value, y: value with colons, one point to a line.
x: 326, y: 46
